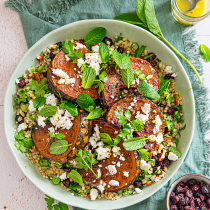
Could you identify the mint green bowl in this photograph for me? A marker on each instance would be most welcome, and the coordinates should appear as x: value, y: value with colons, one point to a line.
x: 78, y: 30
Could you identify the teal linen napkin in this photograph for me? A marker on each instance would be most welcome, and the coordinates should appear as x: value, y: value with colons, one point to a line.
x: 41, y: 17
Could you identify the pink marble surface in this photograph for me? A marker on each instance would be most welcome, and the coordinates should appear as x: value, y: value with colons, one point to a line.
x: 16, y: 191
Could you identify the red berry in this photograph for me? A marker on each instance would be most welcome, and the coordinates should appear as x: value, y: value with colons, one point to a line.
x: 21, y: 83
x: 171, y: 110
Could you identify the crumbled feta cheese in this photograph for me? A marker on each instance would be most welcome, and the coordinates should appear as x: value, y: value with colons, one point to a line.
x: 17, y: 81
x: 118, y: 164
x: 174, y: 75
x: 67, y: 58
x: 80, y: 62
x: 65, y: 79
x: 162, y: 155
x: 114, y: 183
x: 63, y: 176
x: 22, y: 126
x: 60, y: 111
x: 144, y: 165
x: 52, y: 130
x: 146, y: 108
x: 79, y: 46
x: 50, y: 99
x: 157, y: 120
x: 122, y: 158
x: 95, y: 137
x: 172, y: 156
x: 158, y: 138
x: 41, y: 121
x: 100, y: 144
x: 95, y: 49
x: 93, y: 194
x: 99, y: 173
x: 112, y: 169
x: 103, y: 153
x: 116, y: 150
x: 142, y: 117
x: 137, y: 190
x: 94, y: 60
x: 112, y: 96
x: 101, y: 188
x: 149, y: 77
x: 168, y: 70
x: 31, y: 106
x: 67, y: 114
x: 126, y: 173
x: 156, y: 129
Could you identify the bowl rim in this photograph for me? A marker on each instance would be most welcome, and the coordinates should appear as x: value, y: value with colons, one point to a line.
x: 167, y: 195
x: 133, y: 201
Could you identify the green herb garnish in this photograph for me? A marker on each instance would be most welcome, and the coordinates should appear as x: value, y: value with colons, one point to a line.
x: 59, y: 147
x: 104, y: 52
x: 205, y: 52
x: 88, y: 77
x: 48, y: 111
x: 59, y: 206
x: 75, y: 176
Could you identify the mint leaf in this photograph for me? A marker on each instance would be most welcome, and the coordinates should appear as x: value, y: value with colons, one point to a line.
x: 59, y: 147
x: 28, y: 142
x: 102, y: 76
x: 122, y: 60
x: 147, y: 91
x: 144, y: 154
x: 140, y: 10
x: 104, y: 52
x: 164, y: 83
x: 71, y: 108
x: 95, y: 114
x: 117, y: 140
x: 33, y: 85
x: 48, y: 111
x: 106, y: 138
x: 88, y: 77
x: 19, y: 135
x: 38, y: 102
x: 85, y: 101
x: 33, y: 117
x: 67, y: 47
x: 128, y: 76
x: 59, y: 136
x: 75, y: 176
x: 151, y: 17
x: 95, y: 36
x: 130, y: 18
x: 205, y: 52
x: 134, y: 143
x: 176, y: 152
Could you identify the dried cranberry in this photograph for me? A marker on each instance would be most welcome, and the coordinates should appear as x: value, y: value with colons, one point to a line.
x: 181, y: 207
x: 120, y: 49
x: 60, y: 45
x: 154, y: 168
x: 66, y: 169
x: 194, y: 188
x: 202, y: 183
x: 155, y: 157
x: 52, y: 55
x: 197, y: 201
x: 191, y: 182
x: 166, y: 130
x: 181, y: 184
x: 171, y: 110
x: 168, y: 76
x: 162, y: 105
x: 153, y: 63
x: 189, y: 194
x: 73, y: 183
x: 21, y: 83
x: 203, y: 204
x: 173, y: 207
x: 165, y: 162
x: 191, y: 202
x: 186, y: 188
x: 199, y: 195
x: 186, y: 201
x: 182, y: 201
x: 138, y: 184
x: 175, y: 199
x: 45, y: 74
x: 180, y: 189
x: 208, y: 201
x: 203, y: 208
x: 19, y: 119
x: 81, y: 41
x: 153, y: 56
x: 181, y: 195
x: 172, y: 195
x: 205, y: 189
x: 66, y: 182
x: 106, y: 39
x: 189, y: 208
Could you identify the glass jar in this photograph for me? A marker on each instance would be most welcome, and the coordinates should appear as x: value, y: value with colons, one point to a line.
x: 188, y: 20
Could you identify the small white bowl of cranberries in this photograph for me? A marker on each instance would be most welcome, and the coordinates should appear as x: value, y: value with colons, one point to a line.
x: 189, y: 192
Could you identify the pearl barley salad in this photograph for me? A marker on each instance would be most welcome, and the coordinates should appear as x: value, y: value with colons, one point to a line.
x: 99, y: 116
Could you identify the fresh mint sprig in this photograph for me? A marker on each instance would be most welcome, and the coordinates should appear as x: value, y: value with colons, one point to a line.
x: 85, y: 162
x: 106, y: 138
x: 59, y: 147
x: 147, y: 20
x: 88, y: 77
x: 57, y: 136
x: 104, y: 52
x: 134, y: 143
x: 99, y: 83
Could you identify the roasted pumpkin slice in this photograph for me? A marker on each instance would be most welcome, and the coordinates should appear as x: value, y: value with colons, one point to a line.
x: 115, y: 83
x: 146, y: 111
x: 77, y: 136
x: 68, y: 91
x: 126, y: 165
